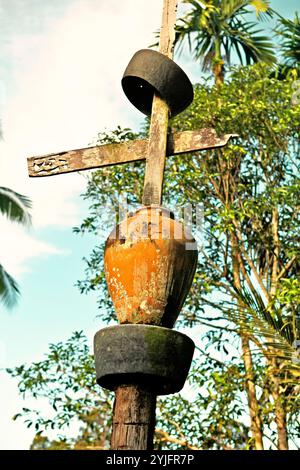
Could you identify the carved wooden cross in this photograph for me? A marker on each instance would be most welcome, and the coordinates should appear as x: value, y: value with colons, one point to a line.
x: 160, y: 144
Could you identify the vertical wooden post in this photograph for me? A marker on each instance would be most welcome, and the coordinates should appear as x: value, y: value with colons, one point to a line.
x: 155, y: 162
x: 133, y: 418
x: 134, y: 407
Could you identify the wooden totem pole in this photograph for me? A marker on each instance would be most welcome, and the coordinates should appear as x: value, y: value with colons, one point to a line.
x: 150, y: 258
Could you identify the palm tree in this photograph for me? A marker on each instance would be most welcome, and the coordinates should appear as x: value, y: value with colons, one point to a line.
x: 289, y: 30
x: 217, y: 28
x: 15, y: 207
x: 276, y: 328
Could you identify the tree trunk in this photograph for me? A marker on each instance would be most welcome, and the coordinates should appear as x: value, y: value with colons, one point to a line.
x: 218, y: 63
x: 256, y: 423
x: 280, y: 412
x: 276, y: 252
x: 133, y: 418
x: 281, y: 423
x: 218, y: 70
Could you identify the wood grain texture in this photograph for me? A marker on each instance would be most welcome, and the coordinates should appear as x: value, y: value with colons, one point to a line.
x: 158, y: 134
x: 86, y: 158
x: 157, y: 149
x: 167, y: 32
x: 115, y: 154
x: 133, y: 419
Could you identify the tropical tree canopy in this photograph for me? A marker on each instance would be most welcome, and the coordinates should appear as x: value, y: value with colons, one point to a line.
x: 216, y: 29
x: 289, y: 30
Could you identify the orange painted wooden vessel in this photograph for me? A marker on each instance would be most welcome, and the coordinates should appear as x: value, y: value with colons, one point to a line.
x: 150, y: 263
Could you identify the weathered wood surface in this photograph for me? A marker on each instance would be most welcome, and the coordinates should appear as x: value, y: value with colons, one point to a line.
x: 86, y: 158
x: 167, y: 32
x: 133, y: 419
x: 158, y: 134
x: 114, y: 154
x: 157, y: 149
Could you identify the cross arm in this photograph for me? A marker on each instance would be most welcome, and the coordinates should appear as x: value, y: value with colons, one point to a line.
x: 114, y: 154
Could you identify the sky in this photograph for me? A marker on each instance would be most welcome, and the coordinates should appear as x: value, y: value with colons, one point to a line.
x: 61, y: 62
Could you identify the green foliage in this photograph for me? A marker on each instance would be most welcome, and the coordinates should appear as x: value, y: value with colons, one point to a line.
x: 9, y: 290
x: 216, y: 28
x: 15, y: 207
x: 278, y: 329
x: 41, y: 442
x: 66, y: 378
x: 212, y: 415
x: 289, y: 31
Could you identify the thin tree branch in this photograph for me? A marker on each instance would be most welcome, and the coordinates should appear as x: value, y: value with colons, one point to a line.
x: 274, y: 274
x: 166, y: 437
x: 286, y: 268
x: 250, y: 262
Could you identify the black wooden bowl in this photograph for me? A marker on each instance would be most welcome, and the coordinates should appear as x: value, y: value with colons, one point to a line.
x: 151, y: 72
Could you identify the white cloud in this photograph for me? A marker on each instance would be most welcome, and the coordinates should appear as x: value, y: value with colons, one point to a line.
x: 64, y: 88
x: 17, y: 247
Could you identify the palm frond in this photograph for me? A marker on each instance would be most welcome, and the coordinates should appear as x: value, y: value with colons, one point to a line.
x: 289, y: 31
x: 232, y: 8
x: 9, y: 290
x: 262, y: 9
x: 249, y: 41
x: 15, y: 206
x: 253, y: 317
x: 225, y: 22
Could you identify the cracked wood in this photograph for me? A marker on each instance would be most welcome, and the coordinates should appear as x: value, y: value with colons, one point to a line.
x: 114, y: 154
x: 158, y: 134
x: 133, y: 418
